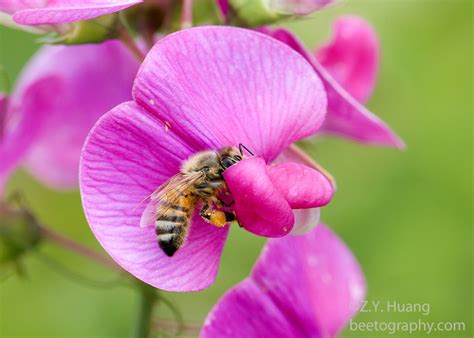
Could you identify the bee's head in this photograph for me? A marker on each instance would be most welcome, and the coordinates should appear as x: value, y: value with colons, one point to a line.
x: 229, y: 156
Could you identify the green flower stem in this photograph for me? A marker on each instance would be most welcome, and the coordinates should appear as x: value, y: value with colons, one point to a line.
x: 187, y: 14
x: 147, y: 301
x: 127, y: 39
x: 82, y: 250
x: 129, y: 42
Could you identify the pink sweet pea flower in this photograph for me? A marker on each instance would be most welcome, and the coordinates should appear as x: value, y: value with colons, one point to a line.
x: 58, y: 98
x: 39, y: 12
x: 348, y: 68
x: 203, y: 88
x: 305, y: 286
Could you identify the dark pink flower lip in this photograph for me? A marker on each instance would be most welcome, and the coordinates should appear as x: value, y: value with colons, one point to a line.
x: 201, y: 88
x: 265, y: 195
x: 304, y: 286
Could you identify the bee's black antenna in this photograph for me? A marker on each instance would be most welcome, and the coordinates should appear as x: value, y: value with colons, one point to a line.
x: 241, y: 146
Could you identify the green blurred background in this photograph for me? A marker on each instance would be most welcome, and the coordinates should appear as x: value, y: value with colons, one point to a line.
x: 407, y: 215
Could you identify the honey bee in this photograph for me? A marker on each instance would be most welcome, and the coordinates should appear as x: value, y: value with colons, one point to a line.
x: 199, y: 183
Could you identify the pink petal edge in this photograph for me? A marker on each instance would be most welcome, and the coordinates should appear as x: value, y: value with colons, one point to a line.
x: 61, y: 11
x: 352, y: 56
x: 346, y: 116
x: 224, y: 86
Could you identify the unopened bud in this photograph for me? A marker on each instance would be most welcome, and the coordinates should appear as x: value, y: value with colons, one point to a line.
x: 19, y: 232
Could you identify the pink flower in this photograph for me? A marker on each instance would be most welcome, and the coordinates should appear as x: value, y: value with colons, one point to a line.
x: 39, y: 12
x: 348, y: 68
x: 198, y: 89
x: 58, y: 98
x: 305, y: 286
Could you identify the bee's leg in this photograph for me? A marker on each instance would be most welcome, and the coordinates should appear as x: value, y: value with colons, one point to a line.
x: 205, y: 213
x: 216, y: 217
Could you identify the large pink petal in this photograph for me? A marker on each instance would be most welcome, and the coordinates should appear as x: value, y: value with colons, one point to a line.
x: 352, y: 56
x: 219, y: 86
x: 58, y: 11
x: 90, y: 80
x: 128, y: 154
x: 346, y: 116
x: 330, y: 283
x: 259, y: 206
x: 301, y: 186
x: 245, y: 311
x: 309, y: 286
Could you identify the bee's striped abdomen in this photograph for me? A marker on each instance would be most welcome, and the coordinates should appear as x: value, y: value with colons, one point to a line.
x: 172, y: 224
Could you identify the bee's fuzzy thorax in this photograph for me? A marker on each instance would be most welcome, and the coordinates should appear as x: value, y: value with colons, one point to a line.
x: 199, y: 160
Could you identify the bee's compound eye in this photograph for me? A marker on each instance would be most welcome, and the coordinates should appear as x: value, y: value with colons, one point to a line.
x: 227, y: 162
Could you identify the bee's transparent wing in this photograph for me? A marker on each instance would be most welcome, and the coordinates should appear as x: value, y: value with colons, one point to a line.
x: 172, y: 189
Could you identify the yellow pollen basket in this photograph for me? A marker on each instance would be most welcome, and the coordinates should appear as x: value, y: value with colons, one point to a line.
x: 218, y: 219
